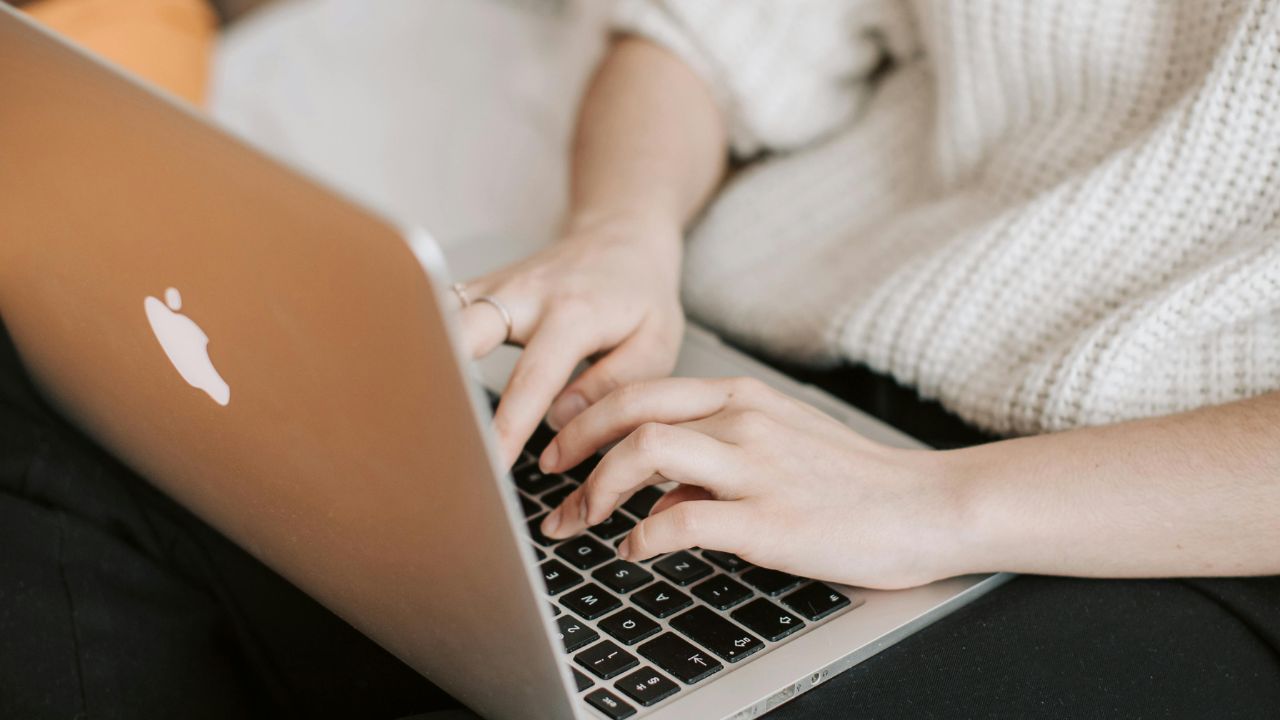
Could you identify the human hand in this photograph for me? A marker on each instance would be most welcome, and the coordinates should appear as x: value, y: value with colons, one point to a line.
x: 762, y: 476
x: 610, y: 291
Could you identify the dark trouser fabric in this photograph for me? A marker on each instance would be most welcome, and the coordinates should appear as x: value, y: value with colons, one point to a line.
x: 117, y: 603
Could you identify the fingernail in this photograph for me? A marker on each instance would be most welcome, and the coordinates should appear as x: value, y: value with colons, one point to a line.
x: 550, y: 457
x: 624, y: 550
x: 568, y: 408
x: 551, y: 523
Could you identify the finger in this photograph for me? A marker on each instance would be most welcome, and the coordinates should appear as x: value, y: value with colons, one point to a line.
x: 574, y: 504
x: 483, y: 329
x: 683, y: 493
x: 544, y: 367
x: 483, y: 326
x: 653, y: 454
x: 709, y: 524
x: 640, y: 357
x: 669, y: 401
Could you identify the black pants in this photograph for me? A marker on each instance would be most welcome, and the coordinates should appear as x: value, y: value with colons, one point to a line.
x: 117, y: 603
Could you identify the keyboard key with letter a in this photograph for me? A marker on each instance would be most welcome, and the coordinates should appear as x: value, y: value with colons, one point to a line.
x: 661, y: 600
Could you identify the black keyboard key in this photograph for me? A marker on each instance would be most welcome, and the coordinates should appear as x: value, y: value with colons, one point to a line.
x: 542, y: 437
x: 815, y: 601
x: 680, y: 658
x: 622, y: 577
x: 611, y: 705
x: 529, y: 507
x: 557, y: 496
x: 717, y: 634
x: 557, y: 577
x: 555, y: 609
x: 581, y: 681
x: 606, y: 660
x: 584, y: 553
x: 722, y: 592
x: 574, y: 633
x: 682, y: 568
x: 613, y: 526
x: 661, y: 600
x: 647, y: 686
x: 532, y: 480
x: 770, y: 582
x: 583, y: 470
x: 535, y: 531
x: 590, y: 601
x: 727, y: 561
x: 538, y: 553
x: 767, y: 620
x: 629, y: 626
x: 642, y: 502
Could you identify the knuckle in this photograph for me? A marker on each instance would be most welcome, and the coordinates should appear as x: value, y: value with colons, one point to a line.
x: 649, y: 437
x: 630, y: 393
x: 752, y: 423
x: 685, y: 522
x: 600, y: 479
x: 571, y: 303
x: 604, y: 380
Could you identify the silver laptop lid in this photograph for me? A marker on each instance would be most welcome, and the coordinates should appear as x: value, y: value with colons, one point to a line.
x: 328, y: 426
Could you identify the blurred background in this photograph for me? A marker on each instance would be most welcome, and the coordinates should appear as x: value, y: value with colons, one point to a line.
x: 453, y: 115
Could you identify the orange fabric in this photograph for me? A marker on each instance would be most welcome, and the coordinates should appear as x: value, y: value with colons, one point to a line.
x: 168, y: 42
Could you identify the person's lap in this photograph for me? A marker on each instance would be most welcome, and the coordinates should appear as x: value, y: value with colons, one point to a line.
x: 115, y: 602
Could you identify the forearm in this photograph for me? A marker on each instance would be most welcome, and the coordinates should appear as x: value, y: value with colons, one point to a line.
x: 1192, y: 494
x: 650, y: 145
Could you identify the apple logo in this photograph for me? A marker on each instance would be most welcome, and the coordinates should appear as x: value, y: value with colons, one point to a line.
x: 186, y: 345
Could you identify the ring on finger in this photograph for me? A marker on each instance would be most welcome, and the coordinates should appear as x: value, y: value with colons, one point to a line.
x: 461, y: 291
x: 496, y: 304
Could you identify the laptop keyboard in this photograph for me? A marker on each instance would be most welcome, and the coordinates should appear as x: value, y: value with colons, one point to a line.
x: 640, y: 634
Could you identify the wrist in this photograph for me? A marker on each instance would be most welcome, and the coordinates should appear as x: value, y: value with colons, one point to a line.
x: 1000, y: 530
x: 643, y: 223
x: 971, y: 521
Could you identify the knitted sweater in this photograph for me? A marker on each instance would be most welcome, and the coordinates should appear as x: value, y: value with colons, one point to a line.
x: 1043, y: 214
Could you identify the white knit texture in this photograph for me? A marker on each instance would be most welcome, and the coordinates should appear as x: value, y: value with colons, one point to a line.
x: 1047, y: 215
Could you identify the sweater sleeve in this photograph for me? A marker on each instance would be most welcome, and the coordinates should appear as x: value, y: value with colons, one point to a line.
x: 785, y: 74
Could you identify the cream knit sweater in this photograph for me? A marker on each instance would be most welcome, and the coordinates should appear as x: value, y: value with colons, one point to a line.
x: 1044, y: 214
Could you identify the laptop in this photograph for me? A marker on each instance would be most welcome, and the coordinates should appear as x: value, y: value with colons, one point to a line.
x: 285, y: 363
